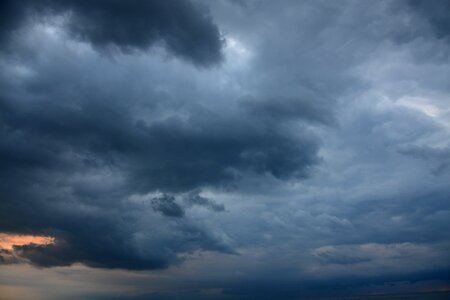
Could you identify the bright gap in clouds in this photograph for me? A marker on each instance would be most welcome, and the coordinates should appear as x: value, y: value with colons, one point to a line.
x: 8, y: 241
x: 421, y: 105
x: 237, y: 53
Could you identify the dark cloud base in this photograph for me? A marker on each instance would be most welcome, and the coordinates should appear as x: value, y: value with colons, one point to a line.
x: 42, y: 147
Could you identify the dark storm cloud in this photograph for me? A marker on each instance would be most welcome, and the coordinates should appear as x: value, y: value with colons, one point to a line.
x: 225, y: 151
x: 167, y: 206
x: 55, y: 255
x: 75, y: 155
x: 302, y: 133
x: 163, y: 155
x: 51, y: 134
x: 185, y: 29
x: 103, y: 237
x: 47, y: 142
x: 12, y: 13
x: 36, y: 153
x: 108, y: 252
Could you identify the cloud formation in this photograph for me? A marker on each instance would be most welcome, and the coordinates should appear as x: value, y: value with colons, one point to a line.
x: 182, y: 27
x: 78, y: 159
x: 305, y: 156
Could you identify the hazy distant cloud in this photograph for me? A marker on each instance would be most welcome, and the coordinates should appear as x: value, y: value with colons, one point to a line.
x: 354, y: 254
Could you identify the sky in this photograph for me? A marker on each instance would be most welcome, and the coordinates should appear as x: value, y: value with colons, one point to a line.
x: 224, y: 149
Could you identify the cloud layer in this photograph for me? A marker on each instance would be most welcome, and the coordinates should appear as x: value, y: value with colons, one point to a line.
x: 299, y: 148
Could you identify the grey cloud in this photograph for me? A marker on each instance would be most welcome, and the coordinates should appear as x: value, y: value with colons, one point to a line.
x: 426, y: 152
x: 106, y: 238
x: 8, y: 257
x: 306, y: 105
x: 164, y: 155
x: 331, y: 258
x: 195, y: 199
x: 167, y: 206
x: 302, y: 134
x: 439, y: 157
x: 66, y: 254
x: 184, y: 29
x: 436, y: 14
x: 70, y: 159
x: 138, y: 152
x: 11, y: 15
x: 364, y: 253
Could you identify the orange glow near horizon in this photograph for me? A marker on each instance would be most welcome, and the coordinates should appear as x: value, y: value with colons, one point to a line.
x: 7, y: 241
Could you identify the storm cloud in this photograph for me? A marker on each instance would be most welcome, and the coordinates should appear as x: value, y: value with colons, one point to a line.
x: 182, y: 27
x: 226, y: 149
x: 79, y: 158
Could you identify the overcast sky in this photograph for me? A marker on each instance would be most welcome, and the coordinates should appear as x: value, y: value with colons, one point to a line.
x: 224, y: 149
